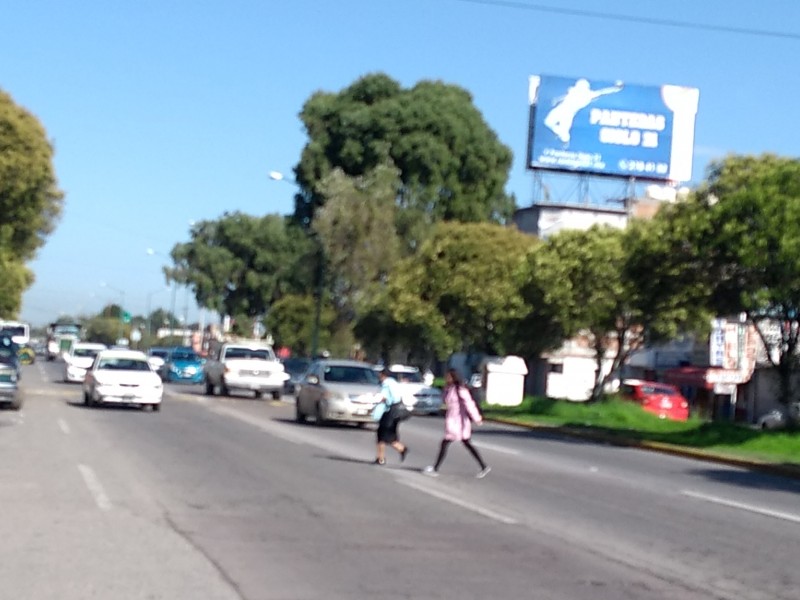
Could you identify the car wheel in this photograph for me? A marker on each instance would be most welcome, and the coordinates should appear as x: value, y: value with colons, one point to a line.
x: 276, y: 395
x: 299, y: 415
x: 319, y: 415
x: 16, y: 404
x: 155, y: 407
x: 258, y: 394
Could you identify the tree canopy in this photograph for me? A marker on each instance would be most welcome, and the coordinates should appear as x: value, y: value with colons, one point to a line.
x: 30, y: 201
x: 239, y: 264
x: 743, y: 224
x: 452, y: 165
x: 459, y: 289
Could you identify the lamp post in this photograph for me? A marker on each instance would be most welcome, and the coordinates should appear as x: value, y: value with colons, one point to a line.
x: 152, y: 252
x: 121, y: 306
x: 319, y: 275
x: 148, y: 307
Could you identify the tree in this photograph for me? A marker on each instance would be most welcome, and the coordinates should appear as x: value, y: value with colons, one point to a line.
x: 460, y: 289
x: 452, y: 166
x: 291, y: 320
x: 576, y: 281
x: 744, y: 223
x: 30, y: 201
x: 239, y: 265
x: 356, y: 229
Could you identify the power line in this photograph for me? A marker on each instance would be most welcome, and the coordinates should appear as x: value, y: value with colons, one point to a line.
x: 574, y: 12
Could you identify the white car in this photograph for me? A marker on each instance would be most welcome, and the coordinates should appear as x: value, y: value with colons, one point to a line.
x: 78, y: 360
x: 122, y: 377
x: 419, y: 398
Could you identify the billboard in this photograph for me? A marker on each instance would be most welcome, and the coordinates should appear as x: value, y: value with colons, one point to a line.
x: 612, y: 128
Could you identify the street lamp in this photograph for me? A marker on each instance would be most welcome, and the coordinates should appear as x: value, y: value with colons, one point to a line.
x: 121, y: 306
x: 319, y: 275
x: 152, y: 252
x: 147, y: 310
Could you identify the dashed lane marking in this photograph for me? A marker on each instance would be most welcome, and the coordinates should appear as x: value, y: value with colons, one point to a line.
x: 95, y: 488
x: 63, y: 426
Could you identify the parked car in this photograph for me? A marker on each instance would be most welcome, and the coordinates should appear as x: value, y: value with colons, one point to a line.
x: 661, y: 399
x: 779, y: 418
x: 79, y: 360
x: 337, y: 390
x: 419, y: 398
x: 10, y: 394
x: 296, y: 368
x: 244, y: 366
x: 183, y: 365
x: 122, y: 377
x: 156, y: 357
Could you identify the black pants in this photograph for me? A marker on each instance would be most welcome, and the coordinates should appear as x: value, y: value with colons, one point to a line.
x: 467, y: 444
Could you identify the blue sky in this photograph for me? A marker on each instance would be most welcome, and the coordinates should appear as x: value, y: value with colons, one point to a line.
x: 164, y: 112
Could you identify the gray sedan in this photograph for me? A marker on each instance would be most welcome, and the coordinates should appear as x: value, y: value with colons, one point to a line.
x: 337, y: 390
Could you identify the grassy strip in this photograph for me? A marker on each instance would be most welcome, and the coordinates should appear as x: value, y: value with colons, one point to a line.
x: 628, y: 421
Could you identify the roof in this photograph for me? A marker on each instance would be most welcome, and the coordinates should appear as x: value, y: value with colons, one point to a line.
x: 344, y: 362
x: 123, y: 354
x: 403, y: 369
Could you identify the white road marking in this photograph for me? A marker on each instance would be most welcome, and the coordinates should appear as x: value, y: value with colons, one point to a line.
x: 742, y: 506
x: 495, y: 448
x: 485, y: 512
x: 95, y: 488
x: 64, y: 426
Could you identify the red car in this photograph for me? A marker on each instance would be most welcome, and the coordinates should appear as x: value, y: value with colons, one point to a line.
x: 661, y: 399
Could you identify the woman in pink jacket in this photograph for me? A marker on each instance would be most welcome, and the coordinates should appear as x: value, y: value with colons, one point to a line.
x: 461, y: 412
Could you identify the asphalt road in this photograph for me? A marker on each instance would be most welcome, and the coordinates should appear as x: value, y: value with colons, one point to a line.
x: 230, y: 498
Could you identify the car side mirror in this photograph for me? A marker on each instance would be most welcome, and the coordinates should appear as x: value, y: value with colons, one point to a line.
x: 312, y: 380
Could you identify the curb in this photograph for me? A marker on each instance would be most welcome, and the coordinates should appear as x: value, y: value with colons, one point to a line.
x: 791, y: 471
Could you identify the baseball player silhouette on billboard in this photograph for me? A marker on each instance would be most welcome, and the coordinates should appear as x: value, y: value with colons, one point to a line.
x: 579, y: 96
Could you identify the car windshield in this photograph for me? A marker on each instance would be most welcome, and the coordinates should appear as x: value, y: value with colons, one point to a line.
x: 658, y: 389
x: 295, y: 366
x: 159, y: 353
x: 85, y: 352
x: 123, y: 364
x: 185, y: 355
x: 350, y: 374
x: 250, y: 353
x: 407, y: 376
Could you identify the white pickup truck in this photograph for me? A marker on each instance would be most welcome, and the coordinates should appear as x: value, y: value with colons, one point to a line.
x: 245, y: 367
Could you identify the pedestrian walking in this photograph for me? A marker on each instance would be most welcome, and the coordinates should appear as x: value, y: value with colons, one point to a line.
x: 388, y: 424
x: 461, y: 413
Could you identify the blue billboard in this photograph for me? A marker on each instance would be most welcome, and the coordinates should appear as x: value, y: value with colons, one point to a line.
x: 612, y: 128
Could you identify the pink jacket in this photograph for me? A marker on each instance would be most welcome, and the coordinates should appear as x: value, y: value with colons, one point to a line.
x: 461, y: 411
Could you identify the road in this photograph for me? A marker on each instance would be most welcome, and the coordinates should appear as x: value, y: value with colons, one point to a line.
x: 229, y: 498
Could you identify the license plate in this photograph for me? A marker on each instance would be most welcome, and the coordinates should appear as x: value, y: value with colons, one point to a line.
x: 129, y: 397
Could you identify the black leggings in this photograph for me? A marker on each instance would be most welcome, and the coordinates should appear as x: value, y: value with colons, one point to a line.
x: 467, y: 444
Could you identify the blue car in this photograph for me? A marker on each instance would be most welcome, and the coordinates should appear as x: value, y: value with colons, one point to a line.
x: 182, y: 365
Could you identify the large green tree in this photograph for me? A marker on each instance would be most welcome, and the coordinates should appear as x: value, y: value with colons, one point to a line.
x: 240, y: 264
x: 356, y: 230
x: 30, y: 201
x: 743, y: 224
x: 291, y: 322
x: 576, y: 281
x: 452, y: 165
x: 459, y: 290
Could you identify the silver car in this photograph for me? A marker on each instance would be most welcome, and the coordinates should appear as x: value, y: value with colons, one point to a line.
x: 337, y: 390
